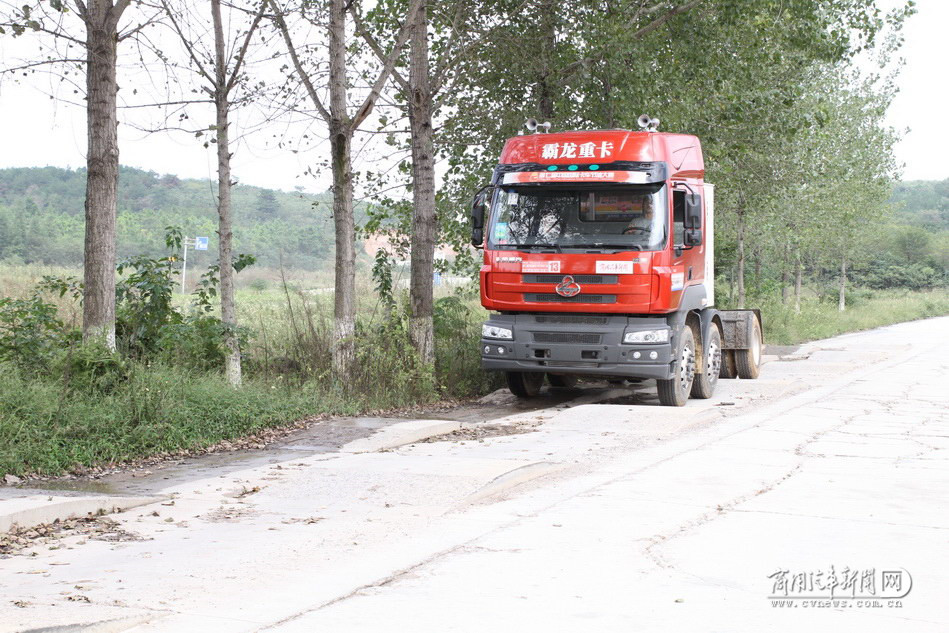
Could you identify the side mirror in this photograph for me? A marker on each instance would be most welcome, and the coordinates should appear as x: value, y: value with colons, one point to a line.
x: 478, y: 211
x: 692, y: 237
x: 693, y: 211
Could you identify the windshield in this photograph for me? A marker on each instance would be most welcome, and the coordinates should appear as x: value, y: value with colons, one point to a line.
x: 628, y: 217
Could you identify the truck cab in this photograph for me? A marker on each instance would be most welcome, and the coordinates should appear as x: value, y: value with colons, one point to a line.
x: 599, y: 261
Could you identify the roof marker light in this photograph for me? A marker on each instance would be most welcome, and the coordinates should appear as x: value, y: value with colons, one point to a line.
x: 552, y: 168
x: 573, y: 168
x: 593, y: 167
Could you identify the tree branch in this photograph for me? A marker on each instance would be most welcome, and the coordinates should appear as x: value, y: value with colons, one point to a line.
x: 115, y: 13
x: 376, y: 49
x: 46, y: 62
x: 187, y: 43
x: 243, y: 51
x: 297, y: 65
x: 82, y: 10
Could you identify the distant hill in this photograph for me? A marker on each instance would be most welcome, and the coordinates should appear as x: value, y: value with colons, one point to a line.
x: 923, y: 203
x: 41, y: 218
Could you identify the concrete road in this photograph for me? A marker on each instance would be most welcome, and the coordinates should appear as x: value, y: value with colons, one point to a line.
x: 814, y: 498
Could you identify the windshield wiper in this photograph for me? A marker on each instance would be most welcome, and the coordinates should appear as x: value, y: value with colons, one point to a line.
x: 625, y: 247
x: 556, y: 247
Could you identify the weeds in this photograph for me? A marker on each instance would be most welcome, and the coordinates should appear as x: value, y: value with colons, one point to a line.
x: 65, y: 405
x: 819, y: 317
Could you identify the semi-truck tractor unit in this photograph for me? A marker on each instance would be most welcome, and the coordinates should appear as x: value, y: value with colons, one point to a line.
x: 599, y: 262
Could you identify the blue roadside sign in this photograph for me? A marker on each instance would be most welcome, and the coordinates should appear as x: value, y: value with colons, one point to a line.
x: 200, y: 243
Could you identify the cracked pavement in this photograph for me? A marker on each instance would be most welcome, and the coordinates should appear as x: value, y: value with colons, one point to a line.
x: 609, y: 514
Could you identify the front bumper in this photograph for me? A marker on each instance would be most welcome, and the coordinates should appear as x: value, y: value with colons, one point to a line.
x: 578, y: 344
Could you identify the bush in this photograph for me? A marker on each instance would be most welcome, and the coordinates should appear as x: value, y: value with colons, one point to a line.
x: 31, y: 333
x: 910, y: 276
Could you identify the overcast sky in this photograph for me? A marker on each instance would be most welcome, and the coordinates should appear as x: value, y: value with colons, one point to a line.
x: 37, y: 131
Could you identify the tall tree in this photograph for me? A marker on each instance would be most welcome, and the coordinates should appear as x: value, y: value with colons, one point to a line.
x: 223, y: 75
x: 430, y: 70
x: 341, y: 127
x: 420, y: 104
x: 98, y: 32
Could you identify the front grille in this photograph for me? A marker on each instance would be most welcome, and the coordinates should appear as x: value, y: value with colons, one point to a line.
x: 571, y: 319
x: 546, y: 278
x: 549, y: 297
x: 567, y: 337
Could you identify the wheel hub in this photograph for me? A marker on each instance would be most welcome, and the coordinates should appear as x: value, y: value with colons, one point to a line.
x: 714, y: 364
x: 686, y: 369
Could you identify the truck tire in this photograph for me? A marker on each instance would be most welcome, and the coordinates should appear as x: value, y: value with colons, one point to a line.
x: 562, y: 381
x: 525, y: 384
x: 704, y: 384
x: 675, y: 391
x: 728, y: 364
x: 748, y: 361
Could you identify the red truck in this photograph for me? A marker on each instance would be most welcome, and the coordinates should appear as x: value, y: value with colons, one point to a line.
x: 599, y: 262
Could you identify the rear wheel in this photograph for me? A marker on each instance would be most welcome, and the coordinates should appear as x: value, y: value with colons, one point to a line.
x: 525, y: 384
x: 562, y: 381
x: 748, y: 361
x: 705, y: 381
x: 675, y: 391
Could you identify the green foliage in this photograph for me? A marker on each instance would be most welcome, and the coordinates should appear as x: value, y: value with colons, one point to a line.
x: 382, y: 276
x: 869, y: 309
x: 31, y: 333
x: 90, y: 368
x: 912, y: 276
x: 457, y: 352
x: 144, y: 303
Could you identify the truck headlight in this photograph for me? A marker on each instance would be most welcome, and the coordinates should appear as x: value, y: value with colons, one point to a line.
x: 647, y: 336
x: 493, y: 331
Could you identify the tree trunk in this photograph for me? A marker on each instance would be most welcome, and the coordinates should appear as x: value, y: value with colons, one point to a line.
x: 785, y: 278
x: 545, y: 89
x: 345, y: 299
x: 842, y: 297
x: 421, y: 328
x: 102, y: 175
x: 741, y: 261
x: 758, y: 271
x: 225, y: 236
x: 340, y: 146
x: 798, y: 272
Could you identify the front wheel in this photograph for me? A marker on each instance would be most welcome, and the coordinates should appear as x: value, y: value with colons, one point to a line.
x: 675, y: 391
x: 525, y: 384
x: 707, y: 379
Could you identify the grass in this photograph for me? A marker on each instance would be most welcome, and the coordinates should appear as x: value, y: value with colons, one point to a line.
x: 48, y: 429
x: 866, y: 310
